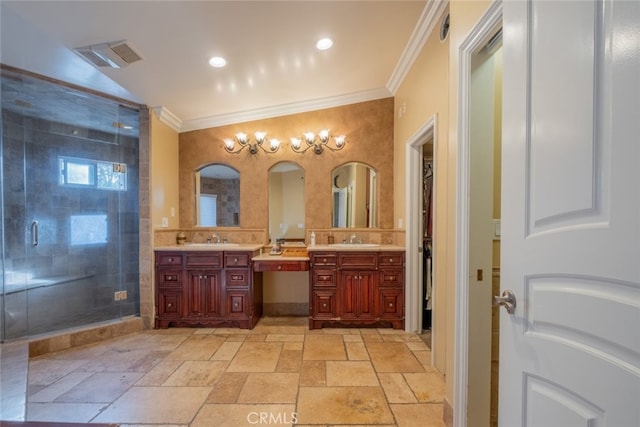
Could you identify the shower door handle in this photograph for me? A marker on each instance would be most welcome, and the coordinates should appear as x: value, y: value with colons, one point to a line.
x: 34, y: 233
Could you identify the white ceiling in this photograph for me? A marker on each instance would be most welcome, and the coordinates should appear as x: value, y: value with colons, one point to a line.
x: 273, y: 65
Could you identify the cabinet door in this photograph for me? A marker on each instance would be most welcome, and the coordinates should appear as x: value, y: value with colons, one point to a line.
x: 169, y: 304
x: 357, y: 294
x: 212, y: 302
x: 237, y: 303
x: 367, y: 295
x: 391, y: 303
x: 204, y: 291
x: 324, y: 304
x: 349, y: 288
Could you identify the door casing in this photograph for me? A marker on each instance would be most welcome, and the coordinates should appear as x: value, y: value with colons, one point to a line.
x: 476, y: 40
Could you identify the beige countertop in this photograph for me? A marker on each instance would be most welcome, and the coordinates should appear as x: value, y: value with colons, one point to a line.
x: 266, y: 256
x: 211, y: 247
x: 360, y: 247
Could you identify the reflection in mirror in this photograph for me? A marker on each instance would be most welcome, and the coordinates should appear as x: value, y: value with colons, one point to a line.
x: 217, y: 196
x: 286, y: 202
x: 354, y: 196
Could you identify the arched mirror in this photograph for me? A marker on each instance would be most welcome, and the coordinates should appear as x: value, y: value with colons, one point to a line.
x: 217, y: 196
x: 286, y: 202
x: 355, y: 195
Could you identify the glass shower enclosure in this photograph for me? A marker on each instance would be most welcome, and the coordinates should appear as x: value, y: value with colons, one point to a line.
x: 69, y: 207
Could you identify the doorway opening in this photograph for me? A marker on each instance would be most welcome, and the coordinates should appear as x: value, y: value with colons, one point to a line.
x: 423, y: 141
x: 477, y: 222
x: 427, y: 240
x: 485, y: 149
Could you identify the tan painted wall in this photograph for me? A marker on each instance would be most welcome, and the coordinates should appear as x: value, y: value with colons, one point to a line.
x: 369, y: 130
x: 431, y: 87
x: 164, y: 173
x: 424, y: 92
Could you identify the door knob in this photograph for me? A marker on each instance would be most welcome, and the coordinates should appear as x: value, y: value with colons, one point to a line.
x: 507, y: 300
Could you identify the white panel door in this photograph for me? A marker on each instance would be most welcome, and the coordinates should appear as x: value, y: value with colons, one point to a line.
x: 570, y: 354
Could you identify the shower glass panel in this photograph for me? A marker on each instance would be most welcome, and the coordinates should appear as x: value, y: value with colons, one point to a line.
x: 69, y: 207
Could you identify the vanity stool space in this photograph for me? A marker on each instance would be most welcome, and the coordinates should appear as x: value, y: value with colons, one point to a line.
x: 356, y: 287
x: 207, y: 288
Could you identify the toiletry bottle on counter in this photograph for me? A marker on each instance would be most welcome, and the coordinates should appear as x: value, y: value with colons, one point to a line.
x: 313, y: 238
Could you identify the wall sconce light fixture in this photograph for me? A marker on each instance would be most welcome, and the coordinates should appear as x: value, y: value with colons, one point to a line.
x: 317, y: 142
x: 244, y: 141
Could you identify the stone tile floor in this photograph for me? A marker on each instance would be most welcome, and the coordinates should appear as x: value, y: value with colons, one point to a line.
x: 279, y: 373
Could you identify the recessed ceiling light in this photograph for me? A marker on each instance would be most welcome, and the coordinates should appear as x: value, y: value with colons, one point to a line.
x: 324, y: 44
x: 217, y: 62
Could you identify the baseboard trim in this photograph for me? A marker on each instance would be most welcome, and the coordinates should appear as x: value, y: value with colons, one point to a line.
x: 447, y: 413
x: 285, y: 309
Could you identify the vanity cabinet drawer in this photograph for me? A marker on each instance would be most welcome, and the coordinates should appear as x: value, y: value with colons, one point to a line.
x: 237, y: 277
x: 168, y: 259
x: 234, y: 259
x: 170, y: 278
x: 391, y: 277
x: 280, y: 265
x: 204, y: 259
x: 391, y: 259
x: 320, y: 259
x: 350, y: 260
x: 323, y: 277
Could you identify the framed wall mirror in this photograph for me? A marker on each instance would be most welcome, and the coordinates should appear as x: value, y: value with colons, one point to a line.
x: 286, y: 202
x: 355, y: 196
x: 217, y: 197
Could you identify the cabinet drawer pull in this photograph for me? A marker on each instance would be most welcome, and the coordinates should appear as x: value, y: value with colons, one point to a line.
x: 236, y: 304
x: 169, y: 305
x: 390, y: 304
x: 170, y: 259
x: 279, y: 267
x: 390, y: 259
x: 235, y: 260
x: 324, y: 305
x: 324, y: 260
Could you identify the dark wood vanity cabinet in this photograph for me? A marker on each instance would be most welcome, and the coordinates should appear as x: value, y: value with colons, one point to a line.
x: 356, y: 289
x: 207, y: 288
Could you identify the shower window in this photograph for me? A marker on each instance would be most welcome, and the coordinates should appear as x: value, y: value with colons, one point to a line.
x: 92, y: 173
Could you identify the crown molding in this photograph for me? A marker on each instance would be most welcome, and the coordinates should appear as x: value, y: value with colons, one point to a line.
x: 284, y: 109
x: 429, y: 19
x: 168, y: 118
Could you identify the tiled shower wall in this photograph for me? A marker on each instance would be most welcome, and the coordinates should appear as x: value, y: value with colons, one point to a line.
x: 59, y: 285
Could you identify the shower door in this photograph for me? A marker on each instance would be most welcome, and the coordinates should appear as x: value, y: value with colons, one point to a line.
x: 69, y: 208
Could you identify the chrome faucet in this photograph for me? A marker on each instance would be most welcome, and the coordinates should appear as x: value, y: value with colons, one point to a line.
x: 353, y: 237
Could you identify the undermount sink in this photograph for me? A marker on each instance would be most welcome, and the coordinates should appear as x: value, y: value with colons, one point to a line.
x: 354, y: 245
x: 212, y: 245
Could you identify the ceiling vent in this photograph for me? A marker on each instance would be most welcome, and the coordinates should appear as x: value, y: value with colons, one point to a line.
x: 115, y: 54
